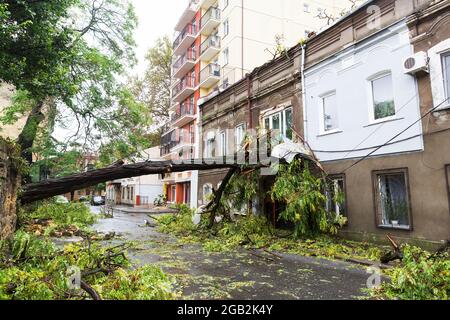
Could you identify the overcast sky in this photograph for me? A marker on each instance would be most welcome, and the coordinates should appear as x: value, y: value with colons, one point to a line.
x: 156, y: 19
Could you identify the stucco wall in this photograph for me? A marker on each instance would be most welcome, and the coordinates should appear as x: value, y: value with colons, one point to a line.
x: 348, y: 75
x: 428, y: 170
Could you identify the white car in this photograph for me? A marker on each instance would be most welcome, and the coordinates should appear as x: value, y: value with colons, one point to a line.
x: 61, y: 199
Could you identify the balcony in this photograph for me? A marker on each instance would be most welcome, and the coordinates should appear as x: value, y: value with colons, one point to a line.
x: 210, y: 48
x: 183, y: 89
x: 207, y: 3
x: 182, y: 145
x: 210, y: 76
x: 168, y: 141
x: 185, y: 39
x: 187, y: 15
x: 210, y: 20
x: 184, y: 115
x: 184, y: 63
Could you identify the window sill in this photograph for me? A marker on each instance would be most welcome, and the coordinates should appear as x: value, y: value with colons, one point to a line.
x: 385, y: 120
x: 327, y: 133
x: 392, y: 227
x: 443, y: 108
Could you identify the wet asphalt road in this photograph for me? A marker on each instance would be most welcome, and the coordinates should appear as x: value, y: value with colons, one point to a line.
x: 243, y: 274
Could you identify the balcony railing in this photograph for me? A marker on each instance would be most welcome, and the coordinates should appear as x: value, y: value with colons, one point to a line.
x: 184, y: 115
x: 190, y: 30
x: 187, y: 83
x: 168, y: 141
x: 210, y: 47
x: 185, y: 141
x: 187, y: 14
x: 184, y: 63
x: 210, y: 75
x: 210, y: 20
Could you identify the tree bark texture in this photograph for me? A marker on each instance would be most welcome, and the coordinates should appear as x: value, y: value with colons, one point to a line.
x: 53, y: 187
x: 9, y: 185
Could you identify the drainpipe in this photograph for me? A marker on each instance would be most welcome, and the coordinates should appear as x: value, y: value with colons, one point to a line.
x: 249, y: 100
x: 242, y: 39
x: 302, y: 72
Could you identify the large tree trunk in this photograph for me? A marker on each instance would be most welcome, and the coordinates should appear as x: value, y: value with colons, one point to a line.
x: 46, y: 189
x: 9, y: 185
x: 29, y: 131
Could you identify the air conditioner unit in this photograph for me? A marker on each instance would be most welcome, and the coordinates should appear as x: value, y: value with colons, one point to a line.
x: 416, y: 63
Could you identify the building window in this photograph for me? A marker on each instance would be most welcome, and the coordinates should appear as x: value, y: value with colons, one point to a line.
x: 207, y: 192
x: 239, y: 135
x: 446, y: 73
x: 209, y: 149
x: 392, y: 199
x: 173, y: 190
x: 306, y: 7
x: 439, y: 65
x: 281, y: 124
x: 330, y: 112
x: 226, y: 27
x: 383, y: 97
x: 336, y: 196
x: 226, y: 56
x: 226, y: 83
x: 223, y: 143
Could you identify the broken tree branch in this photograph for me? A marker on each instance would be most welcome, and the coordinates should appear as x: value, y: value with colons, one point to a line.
x: 397, y: 254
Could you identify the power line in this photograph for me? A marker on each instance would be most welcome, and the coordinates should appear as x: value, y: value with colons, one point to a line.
x: 379, y: 127
x: 397, y: 135
x: 366, y: 148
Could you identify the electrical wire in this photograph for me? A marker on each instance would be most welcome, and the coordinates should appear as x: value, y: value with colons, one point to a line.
x: 397, y: 135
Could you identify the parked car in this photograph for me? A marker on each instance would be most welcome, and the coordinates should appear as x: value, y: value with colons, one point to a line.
x: 61, y: 199
x: 84, y: 199
x: 98, y: 201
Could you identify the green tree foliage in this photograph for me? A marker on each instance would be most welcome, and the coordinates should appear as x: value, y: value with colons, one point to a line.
x: 33, y: 268
x: 422, y: 276
x: 153, y: 89
x: 67, y: 60
x: 305, y: 197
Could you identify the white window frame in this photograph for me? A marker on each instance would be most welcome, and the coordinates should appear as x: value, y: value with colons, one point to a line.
x: 446, y: 75
x: 226, y: 28
x: 283, y: 123
x: 371, y: 101
x: 236, y: 130
x: 437, y: 74
x: 226, y: 56
x: 306, y: 7
x: 322, y: 113
x: 340, y: 211
x: 222, y: 143
x: 209, y: 147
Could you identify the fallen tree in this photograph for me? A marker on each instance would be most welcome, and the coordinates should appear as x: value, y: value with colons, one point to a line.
x: 53, y: 187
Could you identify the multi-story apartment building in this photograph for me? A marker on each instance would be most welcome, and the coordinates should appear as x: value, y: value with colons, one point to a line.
x: 216, y: 44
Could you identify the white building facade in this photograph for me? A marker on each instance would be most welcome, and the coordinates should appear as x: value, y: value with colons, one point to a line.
x: 360, y: 98
x: 137, y: 191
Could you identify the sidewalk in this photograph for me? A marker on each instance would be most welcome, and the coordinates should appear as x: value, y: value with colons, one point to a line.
x: 127, y: 209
